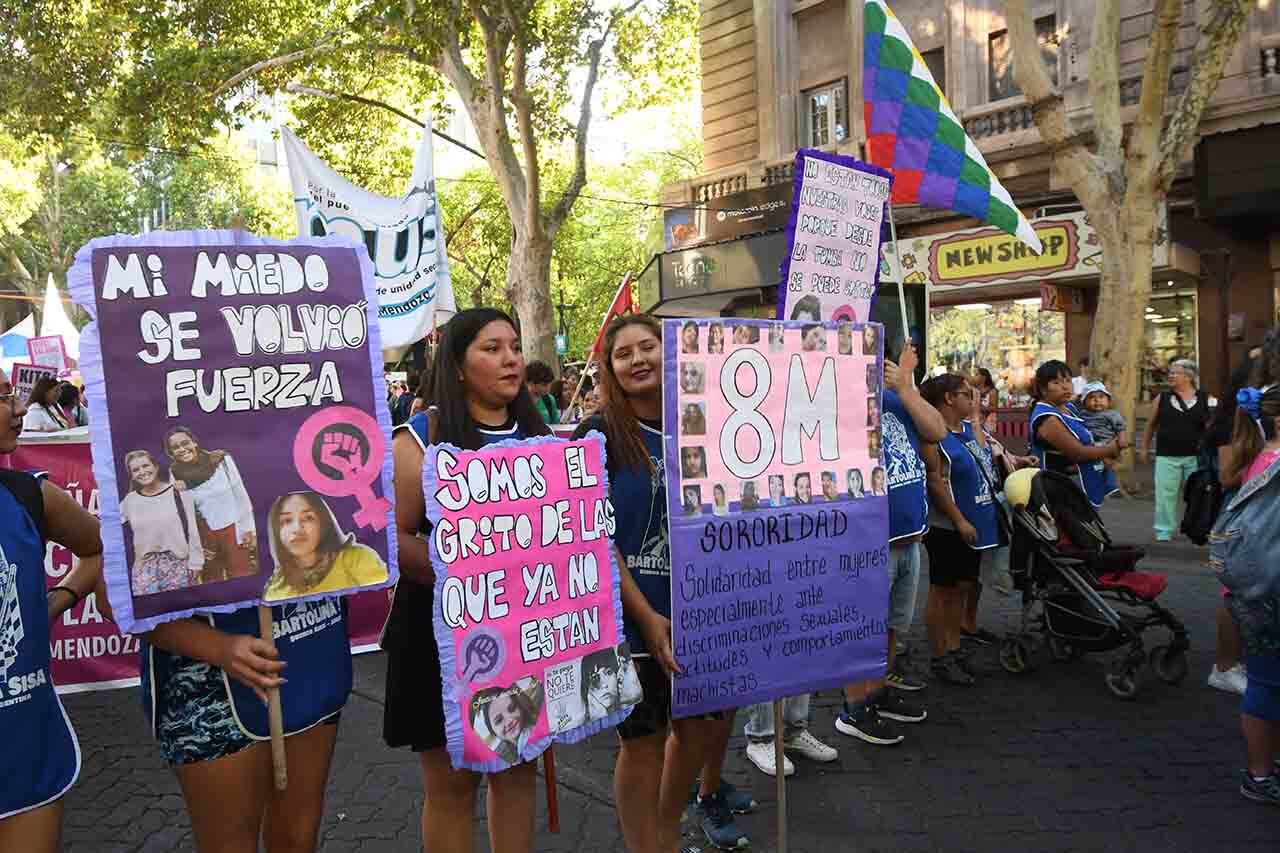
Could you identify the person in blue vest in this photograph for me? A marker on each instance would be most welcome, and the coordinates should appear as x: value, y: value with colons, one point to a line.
x: 479, y: 398
x: 1060, y: 440
x: 962, y: 521
x: 907, y: 423
x: 659, y: 756
x: 41, y: 756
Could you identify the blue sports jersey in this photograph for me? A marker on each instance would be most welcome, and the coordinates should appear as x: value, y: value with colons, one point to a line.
x: 904, y: 469
x: 41, y: 758
x: 1091, y: 476
x: 970, y: 485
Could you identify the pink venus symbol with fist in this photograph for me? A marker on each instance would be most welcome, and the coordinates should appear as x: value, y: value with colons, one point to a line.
x: 339, y: 453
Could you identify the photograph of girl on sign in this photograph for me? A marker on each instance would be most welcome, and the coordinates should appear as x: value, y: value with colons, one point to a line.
x: 312, y: 554
x: 504, y: 717
x: 167, y: 554
x: 229, y: 534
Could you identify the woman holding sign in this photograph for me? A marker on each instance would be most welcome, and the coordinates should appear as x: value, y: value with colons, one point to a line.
x: 480, y: 398
x: 41, y: 758
x: 655, y: 768
x: 962, y: 521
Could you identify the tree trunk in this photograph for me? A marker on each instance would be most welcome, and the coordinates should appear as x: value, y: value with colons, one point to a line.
x: 529, y: 289
x: 1123, y: 294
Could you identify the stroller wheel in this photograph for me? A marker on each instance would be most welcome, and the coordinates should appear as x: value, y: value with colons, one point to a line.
x: 1122, y: 681
x: 1169, y: 666
x: 1015, y: 655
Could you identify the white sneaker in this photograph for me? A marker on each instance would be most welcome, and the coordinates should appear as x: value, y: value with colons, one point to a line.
x: 810, y: 747
x: 761, y: 754
x: 1233, y: 680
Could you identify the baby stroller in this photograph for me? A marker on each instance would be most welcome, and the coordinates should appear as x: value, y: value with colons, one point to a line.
x: 1081, y: 593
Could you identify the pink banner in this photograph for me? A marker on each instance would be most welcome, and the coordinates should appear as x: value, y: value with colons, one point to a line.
x: 88, y: 652
x: 528, y: 617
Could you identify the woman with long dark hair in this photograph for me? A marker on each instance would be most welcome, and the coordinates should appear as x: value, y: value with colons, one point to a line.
x: 41, y: 756
x: 311, y: 553
x: 43, y: 412
x: 962, y: 521
x: 1059, y: 438
x: 660, y: 756
x: 230, y: 534
x: 479, y: 397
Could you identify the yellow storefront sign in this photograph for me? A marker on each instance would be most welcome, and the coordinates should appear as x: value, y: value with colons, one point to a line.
x: 992, y: 255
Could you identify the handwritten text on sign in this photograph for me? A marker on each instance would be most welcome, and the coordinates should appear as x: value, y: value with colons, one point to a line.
x: 526, y: 596
x: 778, y: 508
x: 832, y: 262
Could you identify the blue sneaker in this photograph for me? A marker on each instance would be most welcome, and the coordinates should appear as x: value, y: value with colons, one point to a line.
x: 738, y: 801
x: 718, y: 824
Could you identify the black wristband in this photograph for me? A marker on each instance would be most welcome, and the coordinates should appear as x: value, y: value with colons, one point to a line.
x: 75, y: 596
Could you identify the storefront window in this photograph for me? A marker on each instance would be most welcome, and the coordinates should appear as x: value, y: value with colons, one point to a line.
x: 1170, y: 333
x: 1011, y: 339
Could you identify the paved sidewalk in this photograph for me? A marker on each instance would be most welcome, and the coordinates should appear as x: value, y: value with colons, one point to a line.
x: 1047, y: 761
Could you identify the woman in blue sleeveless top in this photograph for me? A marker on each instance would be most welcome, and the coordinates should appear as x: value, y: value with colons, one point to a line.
x: 1059, y: 437
x: 41, y: 757
x: 962, y: 521
x: 479, y: 397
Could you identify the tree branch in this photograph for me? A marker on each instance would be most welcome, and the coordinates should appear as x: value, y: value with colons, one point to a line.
x: 1104, y: 85
x: 1145, y: 138
x: 519, y: 96
x: 1213, y: 50
x: 274, y: 62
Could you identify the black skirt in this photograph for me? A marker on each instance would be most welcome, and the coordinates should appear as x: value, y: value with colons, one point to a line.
x: 414, y: 712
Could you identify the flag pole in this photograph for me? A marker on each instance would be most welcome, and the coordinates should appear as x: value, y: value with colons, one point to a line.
x: 902, y: 293
x: 591, y: 355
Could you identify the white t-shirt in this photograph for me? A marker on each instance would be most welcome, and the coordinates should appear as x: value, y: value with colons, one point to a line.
x: 223, y: 501
x: 157, y: 527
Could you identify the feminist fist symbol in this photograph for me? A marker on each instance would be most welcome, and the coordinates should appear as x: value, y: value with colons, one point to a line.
x: 484, y: 655
x: 340, y: 452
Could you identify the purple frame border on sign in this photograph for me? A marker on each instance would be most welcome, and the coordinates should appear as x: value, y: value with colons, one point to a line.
x: 80, y: 286
x: 784, y: 269
x: 444, y: 634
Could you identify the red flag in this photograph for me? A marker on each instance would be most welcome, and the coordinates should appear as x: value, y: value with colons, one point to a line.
x: 622, y: 304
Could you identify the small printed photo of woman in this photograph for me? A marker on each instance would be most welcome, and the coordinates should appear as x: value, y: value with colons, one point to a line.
x: 877, y: 482
x: 749, y: 500
x: 228, y: 532
x: 689, y: 338
x: 629, y: 690
x: 873, y: 378
x: 600, y: 694
x: 692, y: 500
x: 693, y: 421
x: 715, y: 339
x: 167, y: 554
x: 777, y: 338
x: 504, y: 717
x: 845, y: 337
x: 873, y: 443
x: 829, y: 486
x: 873, y: 412
x: 693, y: 463
x: 692, y: 377
x: 813, y: 339
x: 807, y: 309
x: 743, y: 334
x: 804, y: 489
x: 777, y: 495
x: 854, y: 478
x: 870, y: 340
x: 312, y: 554
x: 719, y: 502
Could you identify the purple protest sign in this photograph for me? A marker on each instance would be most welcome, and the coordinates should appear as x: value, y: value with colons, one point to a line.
x: 778, y: 509
x: 832, y: 265
x: 242, y: 441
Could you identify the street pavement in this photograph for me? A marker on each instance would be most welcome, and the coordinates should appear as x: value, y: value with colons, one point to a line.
x: 1046, y: 761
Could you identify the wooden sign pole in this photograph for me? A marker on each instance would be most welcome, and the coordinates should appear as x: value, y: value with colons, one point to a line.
x: 275, y: 715
x: 779, y: 760
x: 553, y: 802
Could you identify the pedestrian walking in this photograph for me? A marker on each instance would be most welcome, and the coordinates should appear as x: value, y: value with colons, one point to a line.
x: 479, y: 398
x: 1178, y: 419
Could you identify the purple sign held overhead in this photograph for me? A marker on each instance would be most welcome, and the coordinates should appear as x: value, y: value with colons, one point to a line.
x: 778, y: 509
x: 241, y: 440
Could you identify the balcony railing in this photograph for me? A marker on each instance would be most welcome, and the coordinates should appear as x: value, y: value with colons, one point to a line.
x: 707, y: 189
x: 998, y: 121
x: 1271, y: 61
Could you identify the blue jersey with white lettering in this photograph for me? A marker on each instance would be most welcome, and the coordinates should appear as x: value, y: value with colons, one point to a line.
x: 640, y: 507
x: 970, y: 485
x: 41, y: 757
x: 1092, y: 476
x: 904, y: 470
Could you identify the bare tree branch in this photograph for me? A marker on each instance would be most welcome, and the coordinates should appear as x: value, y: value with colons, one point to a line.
x: 274, y: 62
x: 1104, y: 86
x: 1213, y: 50
x: 1145, y: 138
x: 519, y: 97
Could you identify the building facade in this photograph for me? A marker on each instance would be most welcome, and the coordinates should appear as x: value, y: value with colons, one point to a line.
x: 778, y: 75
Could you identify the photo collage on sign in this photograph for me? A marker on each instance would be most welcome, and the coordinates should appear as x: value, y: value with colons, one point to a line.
x: 703, y: 348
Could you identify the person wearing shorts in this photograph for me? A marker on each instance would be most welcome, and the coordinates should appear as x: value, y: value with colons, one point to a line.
x: 872, y: 708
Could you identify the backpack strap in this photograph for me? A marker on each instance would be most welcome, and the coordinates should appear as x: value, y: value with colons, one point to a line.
x: 26, y: 488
